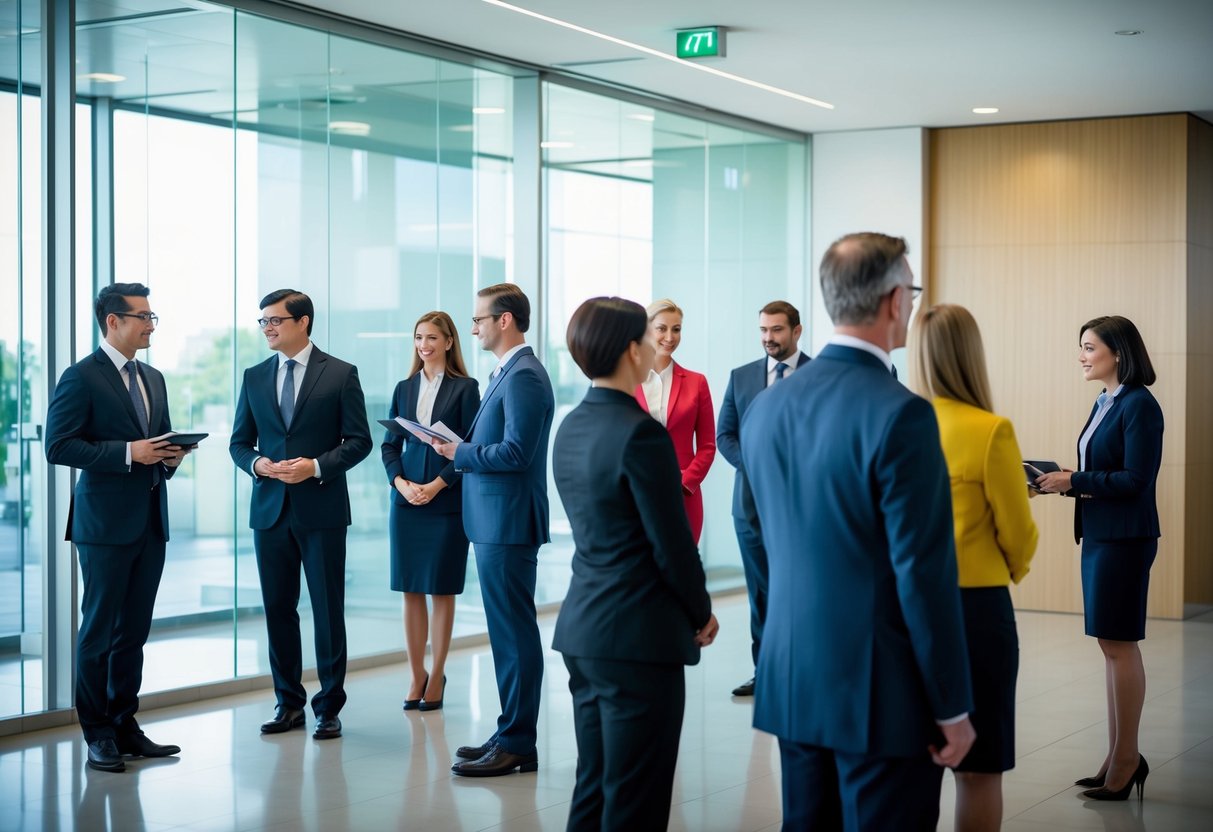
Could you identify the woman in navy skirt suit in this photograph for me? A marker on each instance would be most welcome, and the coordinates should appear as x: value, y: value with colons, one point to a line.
x: 1116, y: 519
x: 429, y: 549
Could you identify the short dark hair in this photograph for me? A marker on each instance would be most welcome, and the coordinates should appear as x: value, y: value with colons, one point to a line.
x: 507, y: 297
x: 112, y: 299
x: 1133, y: 367
x: 857, y: 272
x: 601, y: 330
x: 297, y: 303
x: 782, y: 307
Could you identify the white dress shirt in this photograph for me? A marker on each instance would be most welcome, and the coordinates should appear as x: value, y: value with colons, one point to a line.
x: 657, y: 392
x: 426, y: 397
x: 120, y: 362
x: 792, y: 362
x: 505, y: 359
x: 1105, y: 404
x: 860, y: 344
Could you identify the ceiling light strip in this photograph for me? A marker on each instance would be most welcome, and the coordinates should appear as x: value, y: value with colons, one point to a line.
x: 662, y: 55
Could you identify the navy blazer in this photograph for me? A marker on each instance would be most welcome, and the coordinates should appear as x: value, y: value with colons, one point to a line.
x: 638, y: 591
x: 864, y: 647
x: 88, y: 425
x: 505, y: 457
x: 1117, y: 491
x: 329, y: 426
x: 745, y: 382
x: 407, y: 456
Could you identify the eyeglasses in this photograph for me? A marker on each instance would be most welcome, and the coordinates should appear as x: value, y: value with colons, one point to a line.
x: 275, y: 321
x: 914, y: 291
x: 146, y: 317
x: 476, y: 321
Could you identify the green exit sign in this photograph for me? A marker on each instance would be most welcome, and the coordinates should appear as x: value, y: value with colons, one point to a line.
x: 704, y: 42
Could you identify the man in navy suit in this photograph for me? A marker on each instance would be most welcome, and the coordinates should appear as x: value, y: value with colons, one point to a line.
x: 300, y: 425
x: 779, y: 326
x: 863, y: 674
x: 102, y: 420
x: 505, y: 513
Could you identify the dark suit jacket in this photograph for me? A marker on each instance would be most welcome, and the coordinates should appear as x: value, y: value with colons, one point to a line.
x: 407, y: 456
x: 505, y: 457
x: 329, y: 426
x: 1116, y: 494
x: 638, y: 591
x: 88, y: 425
x: 745, y: 382
x: 864, y: 645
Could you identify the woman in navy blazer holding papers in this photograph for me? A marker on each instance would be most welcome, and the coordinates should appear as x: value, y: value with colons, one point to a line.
x: 637, y: 609
x: 1116, y: 519
x: 429, y: 549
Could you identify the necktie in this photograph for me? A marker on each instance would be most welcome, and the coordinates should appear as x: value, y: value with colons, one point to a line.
x: 132, y: 375
x: 780, y: 369
x: 287, y: 403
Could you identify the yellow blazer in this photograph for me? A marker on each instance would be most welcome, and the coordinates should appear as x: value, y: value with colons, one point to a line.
x: 995, y: 534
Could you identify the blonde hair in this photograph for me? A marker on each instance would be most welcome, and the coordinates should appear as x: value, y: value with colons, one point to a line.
x: 664, y: 305
x: 454, y: 358
x: 946, y: 357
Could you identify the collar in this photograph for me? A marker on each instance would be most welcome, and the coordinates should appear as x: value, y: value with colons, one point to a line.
x: 793, y: 361
x: 1116, y: 392
x: 301, y: 358
x: 118, y: 358
x: 860, y: 344
x: 505, y: 359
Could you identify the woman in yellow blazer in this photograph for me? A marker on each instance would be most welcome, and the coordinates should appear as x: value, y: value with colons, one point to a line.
x: 995, y: 540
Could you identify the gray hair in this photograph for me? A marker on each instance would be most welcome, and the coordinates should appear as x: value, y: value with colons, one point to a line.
x: 857, y: 272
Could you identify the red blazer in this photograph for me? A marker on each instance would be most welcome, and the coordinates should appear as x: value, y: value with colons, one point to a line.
x: 691, y: 423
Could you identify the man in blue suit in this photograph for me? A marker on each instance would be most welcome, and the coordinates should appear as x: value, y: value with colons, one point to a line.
x: 505, y: 514
x: 102, y: 420
x: 779, y: 327
x: 863, y: 674
x: 300, y: 425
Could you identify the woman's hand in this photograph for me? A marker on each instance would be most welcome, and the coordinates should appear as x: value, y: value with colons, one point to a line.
x: 706, y: 634
x: 424, y: 494
x: 1055, y: 482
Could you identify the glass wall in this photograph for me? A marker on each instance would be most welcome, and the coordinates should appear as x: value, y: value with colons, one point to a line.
x: 648, y: 204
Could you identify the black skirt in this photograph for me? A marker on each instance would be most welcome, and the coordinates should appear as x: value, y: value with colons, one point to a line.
x: 429, y: 551
x: 994, y: 664
x: 1115, y: 582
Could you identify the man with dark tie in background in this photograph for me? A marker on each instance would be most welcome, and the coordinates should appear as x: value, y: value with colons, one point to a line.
x: 779, y: 328
x: 300, y: 425
x: 104, y: 410
x: 504, y: 461
x: 863, y: 674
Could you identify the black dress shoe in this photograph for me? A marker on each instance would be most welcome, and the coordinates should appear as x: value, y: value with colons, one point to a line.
x: 474, y: 752
x: 284, y: 720
x: 138, y: 745
x: 103, y: 755
x: 496, y: 763
x: 327, y: 728
x: 433, y: 704
x: 745, y: 688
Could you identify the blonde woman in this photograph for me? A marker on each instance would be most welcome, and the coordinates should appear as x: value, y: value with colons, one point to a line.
x: 429, y: 550
x: 681, y: 401
x: 995, y: 540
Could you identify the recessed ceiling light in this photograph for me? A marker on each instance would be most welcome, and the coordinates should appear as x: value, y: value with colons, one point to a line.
x: 1128, y: 33
x: 642, y: 117
x: 556, y: 145
x: 665, y: 56
x: 350, y: 128
x: 101, y: 77
x: 488, y: 111
x: 985, y: 111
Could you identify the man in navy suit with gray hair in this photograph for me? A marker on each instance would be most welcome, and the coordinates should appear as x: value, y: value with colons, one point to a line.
x: 863, y: 674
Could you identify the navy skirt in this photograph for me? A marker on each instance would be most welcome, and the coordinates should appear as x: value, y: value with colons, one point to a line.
x: 1115, y: 581
x: 994, y: 664
x: 429, y: 551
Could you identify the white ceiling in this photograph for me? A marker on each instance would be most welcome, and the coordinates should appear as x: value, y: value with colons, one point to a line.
x: 881, y: 63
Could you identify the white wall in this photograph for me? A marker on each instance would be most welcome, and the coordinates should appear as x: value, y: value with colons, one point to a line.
x: 866, y: 180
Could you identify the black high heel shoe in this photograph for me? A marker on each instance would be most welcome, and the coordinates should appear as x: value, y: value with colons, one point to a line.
x: 436, y: 704
x: 1138, y: 779
x: 415, y: 704
x: 1092, y: 782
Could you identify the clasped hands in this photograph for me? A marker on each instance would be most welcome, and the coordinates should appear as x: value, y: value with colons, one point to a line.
x: 151, y: 451
x: 290, y: 471
x: 417, y: 494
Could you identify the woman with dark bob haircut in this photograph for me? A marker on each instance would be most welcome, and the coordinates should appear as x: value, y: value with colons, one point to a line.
x: 1116, y: 519
x: 637, y: 608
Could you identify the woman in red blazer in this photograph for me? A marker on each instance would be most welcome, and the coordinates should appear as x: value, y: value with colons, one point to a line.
x: 680, y: 400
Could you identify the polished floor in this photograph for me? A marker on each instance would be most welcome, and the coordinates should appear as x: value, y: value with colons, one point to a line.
x: 391, y: 769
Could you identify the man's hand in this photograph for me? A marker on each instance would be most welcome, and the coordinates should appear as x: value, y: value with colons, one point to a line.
x: 149, y: 452
x: 959, y: 737
x: 707, y: 633
x: 296, y: 470
x: 447, y: 449
x: 179, y: 453
x: 267, y: 469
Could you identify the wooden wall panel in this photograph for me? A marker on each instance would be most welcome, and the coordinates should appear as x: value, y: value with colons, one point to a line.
x: 1037, y: 228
